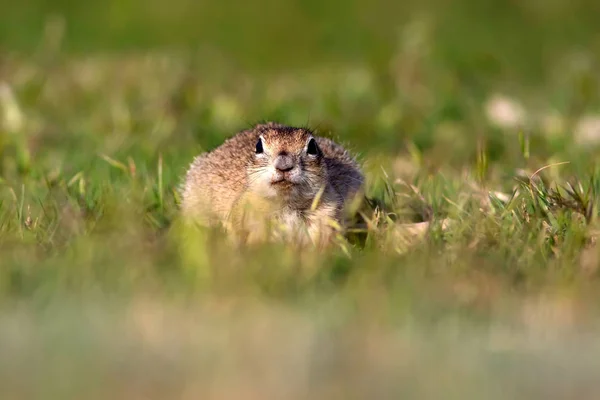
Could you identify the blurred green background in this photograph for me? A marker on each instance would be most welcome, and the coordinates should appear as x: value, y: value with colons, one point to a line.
x: 478, y: 40
x: 401, y: 68
x: 510, y: 37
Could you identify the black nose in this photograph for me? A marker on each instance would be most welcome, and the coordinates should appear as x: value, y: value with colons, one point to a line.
x: 284, y: 163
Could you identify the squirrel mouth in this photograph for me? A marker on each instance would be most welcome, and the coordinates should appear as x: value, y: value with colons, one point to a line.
x: 282, y: 182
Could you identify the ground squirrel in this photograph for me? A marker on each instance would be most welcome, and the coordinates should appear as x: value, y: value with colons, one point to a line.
x: 273, y: 176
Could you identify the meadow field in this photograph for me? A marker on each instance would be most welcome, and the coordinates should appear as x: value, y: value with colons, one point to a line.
x: 474, y: 276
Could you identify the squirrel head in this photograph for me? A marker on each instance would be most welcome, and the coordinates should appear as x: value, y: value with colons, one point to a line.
x: 287, y: 164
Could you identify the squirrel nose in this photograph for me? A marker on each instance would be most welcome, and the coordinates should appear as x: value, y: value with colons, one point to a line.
x: 284, y: 163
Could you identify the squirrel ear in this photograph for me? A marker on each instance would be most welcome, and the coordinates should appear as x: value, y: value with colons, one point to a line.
x: 259, y: 146
x: 312, y: 147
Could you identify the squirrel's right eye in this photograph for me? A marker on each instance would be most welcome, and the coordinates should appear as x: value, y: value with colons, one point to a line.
x: 259, y: 147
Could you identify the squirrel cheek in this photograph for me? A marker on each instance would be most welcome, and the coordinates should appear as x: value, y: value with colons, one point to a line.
x: 296, y: 175
x: 263, y: 187
x: 272, y: 171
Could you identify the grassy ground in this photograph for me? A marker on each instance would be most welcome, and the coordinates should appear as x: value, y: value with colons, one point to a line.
x: 476, y: 122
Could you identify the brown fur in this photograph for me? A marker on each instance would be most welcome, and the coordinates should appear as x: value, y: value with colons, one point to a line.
x: 231, y: 184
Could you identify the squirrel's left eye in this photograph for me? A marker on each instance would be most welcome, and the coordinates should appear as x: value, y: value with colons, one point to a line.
x: 259, y: 147
x: 312, y: 148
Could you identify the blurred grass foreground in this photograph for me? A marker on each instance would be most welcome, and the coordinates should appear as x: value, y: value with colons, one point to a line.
x: 478, y: 125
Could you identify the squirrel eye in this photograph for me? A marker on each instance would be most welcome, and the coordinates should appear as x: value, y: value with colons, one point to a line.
x: 259, y: 147
x: 312, y: 148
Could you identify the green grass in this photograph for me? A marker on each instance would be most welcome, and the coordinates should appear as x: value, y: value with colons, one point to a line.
x: 476, y: 278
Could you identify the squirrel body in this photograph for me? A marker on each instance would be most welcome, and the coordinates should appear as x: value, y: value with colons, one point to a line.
x: 273, y: 181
